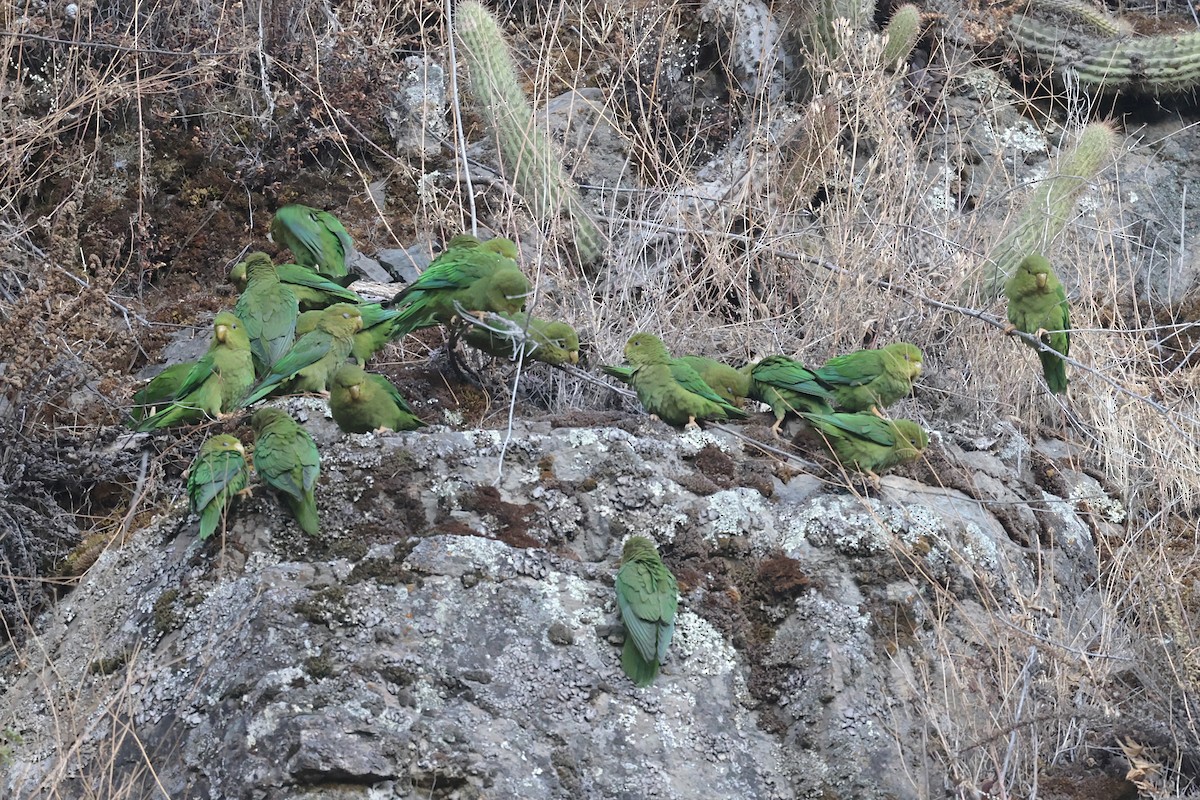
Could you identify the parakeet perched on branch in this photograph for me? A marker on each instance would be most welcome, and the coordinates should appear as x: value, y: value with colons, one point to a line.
x: 216, y: 382
x: 476, y: 276
x: 362, y: 402
x: 268, y: 309
x: 1037, y: 304
x: 315, y: 355
x: 647, y: 597
x: 669, y: 389
x: 315, y: 238
x: 872, y: 379
x: 286, y: 458
x: 215, y: 478
x: 549, y: 341
x: 867, y: 443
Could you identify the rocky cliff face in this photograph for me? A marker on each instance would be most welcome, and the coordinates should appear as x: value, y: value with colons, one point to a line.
x: 452, y: 632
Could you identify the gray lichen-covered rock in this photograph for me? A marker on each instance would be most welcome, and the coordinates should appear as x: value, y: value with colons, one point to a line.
x: 453, y: 632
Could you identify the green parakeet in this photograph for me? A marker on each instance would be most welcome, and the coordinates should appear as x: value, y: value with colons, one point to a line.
x: 159, y: 390
x: 1037, y: 304
x: 376, y: 329
x: 478, y: 277
x: 216, y: 382
x: 670, y: 389
x: 549, y: 341
x: 868, y: 443
x: 872, y: 379
x: 788, y: 387
x: 286, y: 458
x: 315, y: 356
x: 362, y: 402
x: 215, y: 478
x: 315, y: 238
x: 731, y: 384
x: 268, y: 308
x: 647, y: 597
x: 312, y: 290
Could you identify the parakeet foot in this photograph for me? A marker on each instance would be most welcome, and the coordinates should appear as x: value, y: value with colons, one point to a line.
x: 875, y: 410
x: 777, y: 429
x: 692, y: 425
x: 1009, y: 329
x: 246, y: 493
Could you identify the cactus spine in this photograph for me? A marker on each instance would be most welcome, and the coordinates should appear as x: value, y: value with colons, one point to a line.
x: 902, y: 32
x: 533, y: 163
x: 1045, y: 215
x: 1106, y: 63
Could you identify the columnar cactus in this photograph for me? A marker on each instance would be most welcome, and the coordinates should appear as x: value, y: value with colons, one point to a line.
x: 902, y: 32
x: 1045, y: 215
x: 531, y: 159
x: 1105, y: 63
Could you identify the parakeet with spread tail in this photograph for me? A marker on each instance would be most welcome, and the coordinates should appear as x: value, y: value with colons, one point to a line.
x: 1037, y: 304
x: 286, y: 458
x: 216, y: 477
x: 647, y: 597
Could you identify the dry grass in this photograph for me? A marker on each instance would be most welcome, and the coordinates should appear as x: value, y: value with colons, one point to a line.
x: 720, y: 242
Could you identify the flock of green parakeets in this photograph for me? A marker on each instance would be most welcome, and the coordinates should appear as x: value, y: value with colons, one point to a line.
x: 297, y: 328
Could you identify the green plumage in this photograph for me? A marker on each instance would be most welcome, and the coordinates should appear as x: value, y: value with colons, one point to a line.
x: 312, y: 290
x: 670, y: 389
x: 269, y: 309
x: 867, y: 443
x: 1037, y: 304
x: 549, y: 341
x: 216, y: 382
x: 788, y: 387
x: 362, y: 402
x: 286, y: 458
x: 647, y: 597
x: 732, y: 385
x: 215, y: 478
x: 315, y: 238
x: 476, y: 276
x: 377, y: 324
x: 872, y: 379
x: 160, y: 389
x: 315, y: 355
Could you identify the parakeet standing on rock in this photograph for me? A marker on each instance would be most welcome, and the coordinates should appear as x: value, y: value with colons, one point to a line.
x: 315, y: 238
x: 315, y: 356
x: 647, y: 597
x: 312, y: 290
x: 215, y: 478
x: 868, y: 443
x: 548, y: 341
x: 362, y: 402
x: 286, y: 458
x: 788, y: 387
x: 268, y: 309
x: 672, y: 390
x: 732, y: 385
x: 1037, y: 304
x: 477, y: 276
x: 869, y: 380
x: 216, y: 382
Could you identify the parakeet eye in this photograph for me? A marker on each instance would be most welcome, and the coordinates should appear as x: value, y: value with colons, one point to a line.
x: 345, y: 315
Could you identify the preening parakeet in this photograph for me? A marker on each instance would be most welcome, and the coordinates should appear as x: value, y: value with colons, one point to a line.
x: 477, y: 276
x: 159, y: 390
x: 286, y: 458
x: 872, y: 379
x: 215, y: 478
x: 312, y: 290
x: 867, y: 443
x: 1037, y: 304
x: 647, y: 597
x: 788, y: 387
x: 315, y: 356
x: 731, y: 384
x: 362, y: 402
x: 216, y: 382
x: 268, y: 309
x: 670, y: 389
x: 315, y: 238
x: 549, y: 341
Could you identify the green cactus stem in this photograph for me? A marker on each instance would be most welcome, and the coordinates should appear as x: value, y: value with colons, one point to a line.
x: 1046, y: 213
x: 531, y: 160
x: 902, y: 32
x: 1105, y: 64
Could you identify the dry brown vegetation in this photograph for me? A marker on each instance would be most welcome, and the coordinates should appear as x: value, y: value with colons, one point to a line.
x: 142, y: 146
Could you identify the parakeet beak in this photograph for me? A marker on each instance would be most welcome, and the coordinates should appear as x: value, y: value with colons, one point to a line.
x: 573, y: 356
x: 1041, y: 280
x: 222, y: 333
x: 241, y: 448
x: 355, y: 391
